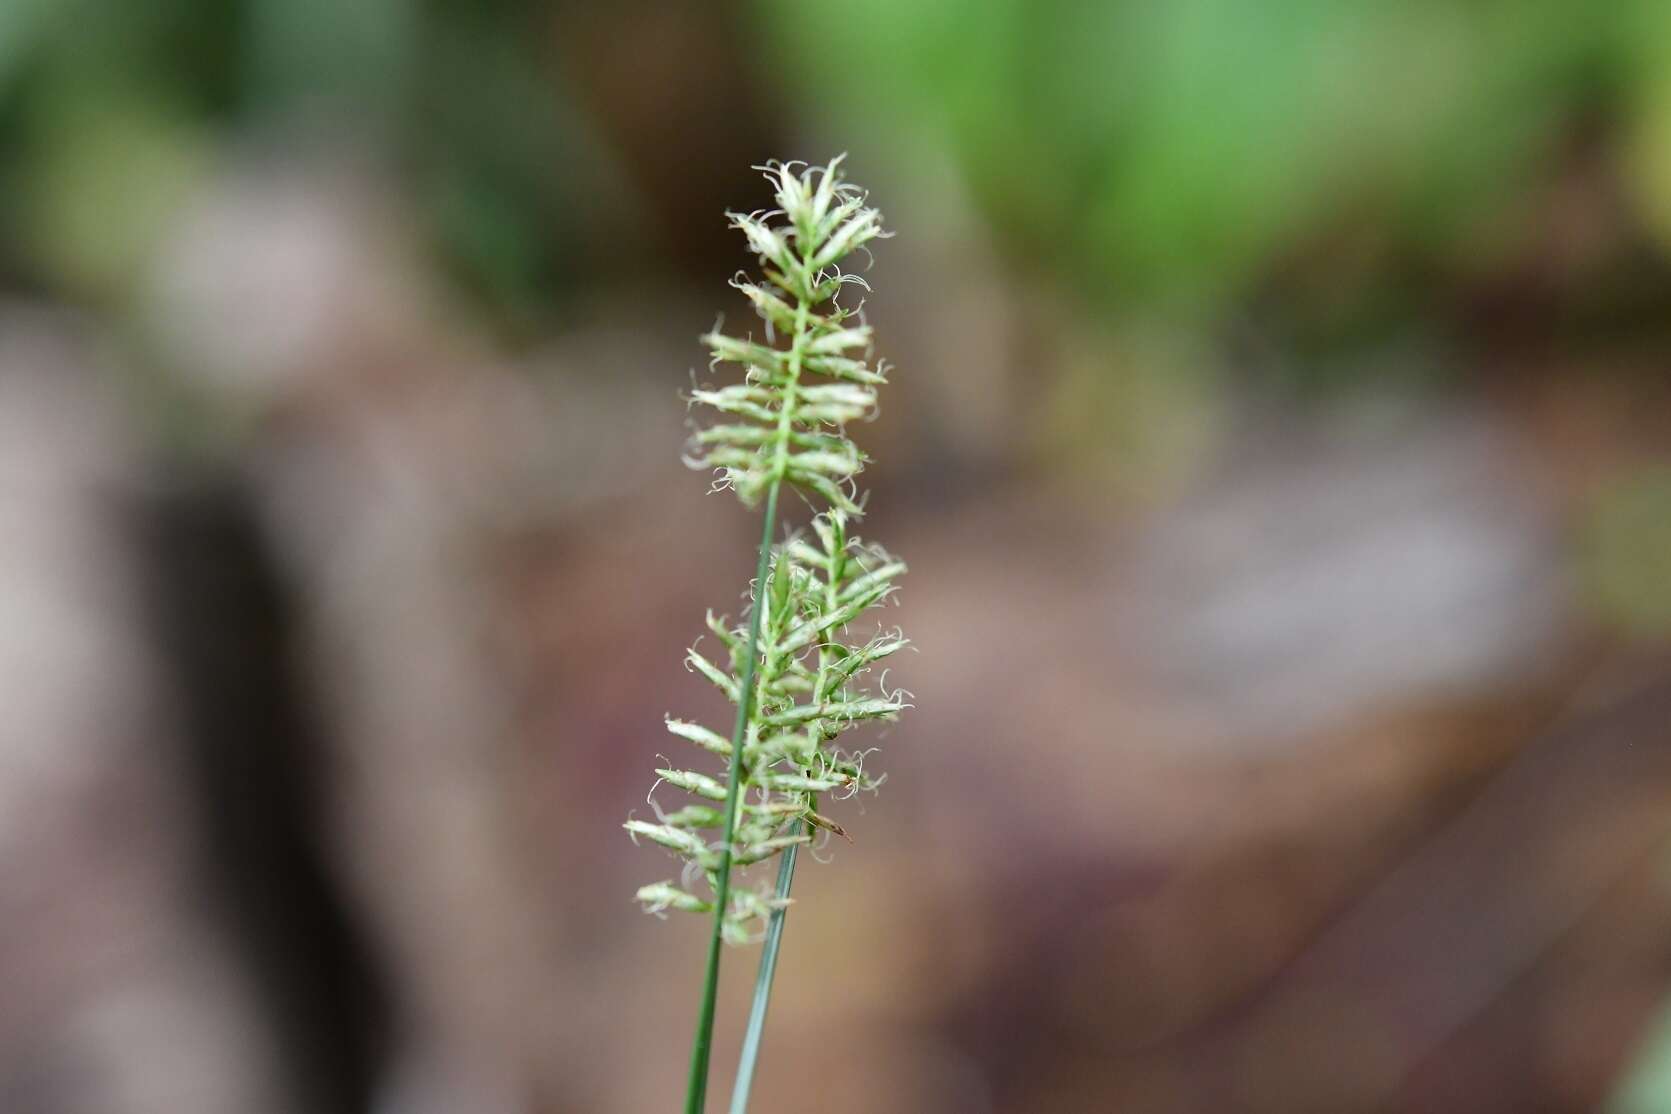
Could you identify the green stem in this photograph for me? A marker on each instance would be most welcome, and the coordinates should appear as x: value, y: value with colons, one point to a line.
x: 696, y: 1092
x: 786, y: 870
x: 763, y: 982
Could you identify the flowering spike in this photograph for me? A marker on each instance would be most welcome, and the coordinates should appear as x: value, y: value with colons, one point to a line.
x: 802, y: 384
x: 826, y: 220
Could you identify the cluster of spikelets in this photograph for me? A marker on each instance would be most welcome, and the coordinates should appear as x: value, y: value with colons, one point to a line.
x: 785, y: 424
x: 791, y: 428
x: 810, y: 688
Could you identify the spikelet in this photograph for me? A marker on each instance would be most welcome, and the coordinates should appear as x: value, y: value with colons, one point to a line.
x: 785, y: 423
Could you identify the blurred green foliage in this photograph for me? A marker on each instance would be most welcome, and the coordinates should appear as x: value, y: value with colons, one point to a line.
x: 110, y: 109
x: 1174, y: 158
x: 1628, y: 553
x: 1175, y: 153
x: 1644, y: 1086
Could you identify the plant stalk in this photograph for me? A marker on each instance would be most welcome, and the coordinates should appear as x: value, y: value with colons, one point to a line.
x: 763, y: 982
x: 696, y: 1092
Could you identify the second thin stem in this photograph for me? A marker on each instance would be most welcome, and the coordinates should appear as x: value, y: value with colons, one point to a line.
x: 763, y: 981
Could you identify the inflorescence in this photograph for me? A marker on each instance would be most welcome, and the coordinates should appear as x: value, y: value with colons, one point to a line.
x: 785, y: 423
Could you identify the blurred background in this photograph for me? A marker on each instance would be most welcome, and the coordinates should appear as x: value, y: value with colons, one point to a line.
x: 1280, y: 436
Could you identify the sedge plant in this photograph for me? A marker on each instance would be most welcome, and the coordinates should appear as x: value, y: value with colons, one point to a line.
x: 799, y: 681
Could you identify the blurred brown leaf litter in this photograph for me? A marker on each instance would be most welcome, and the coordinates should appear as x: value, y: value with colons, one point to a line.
x: 1279, y: 445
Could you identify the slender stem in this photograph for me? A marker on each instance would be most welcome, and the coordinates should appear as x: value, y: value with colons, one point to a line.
x: 696, y: 1092
x: 774, y: 924
x: 763, y: 981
